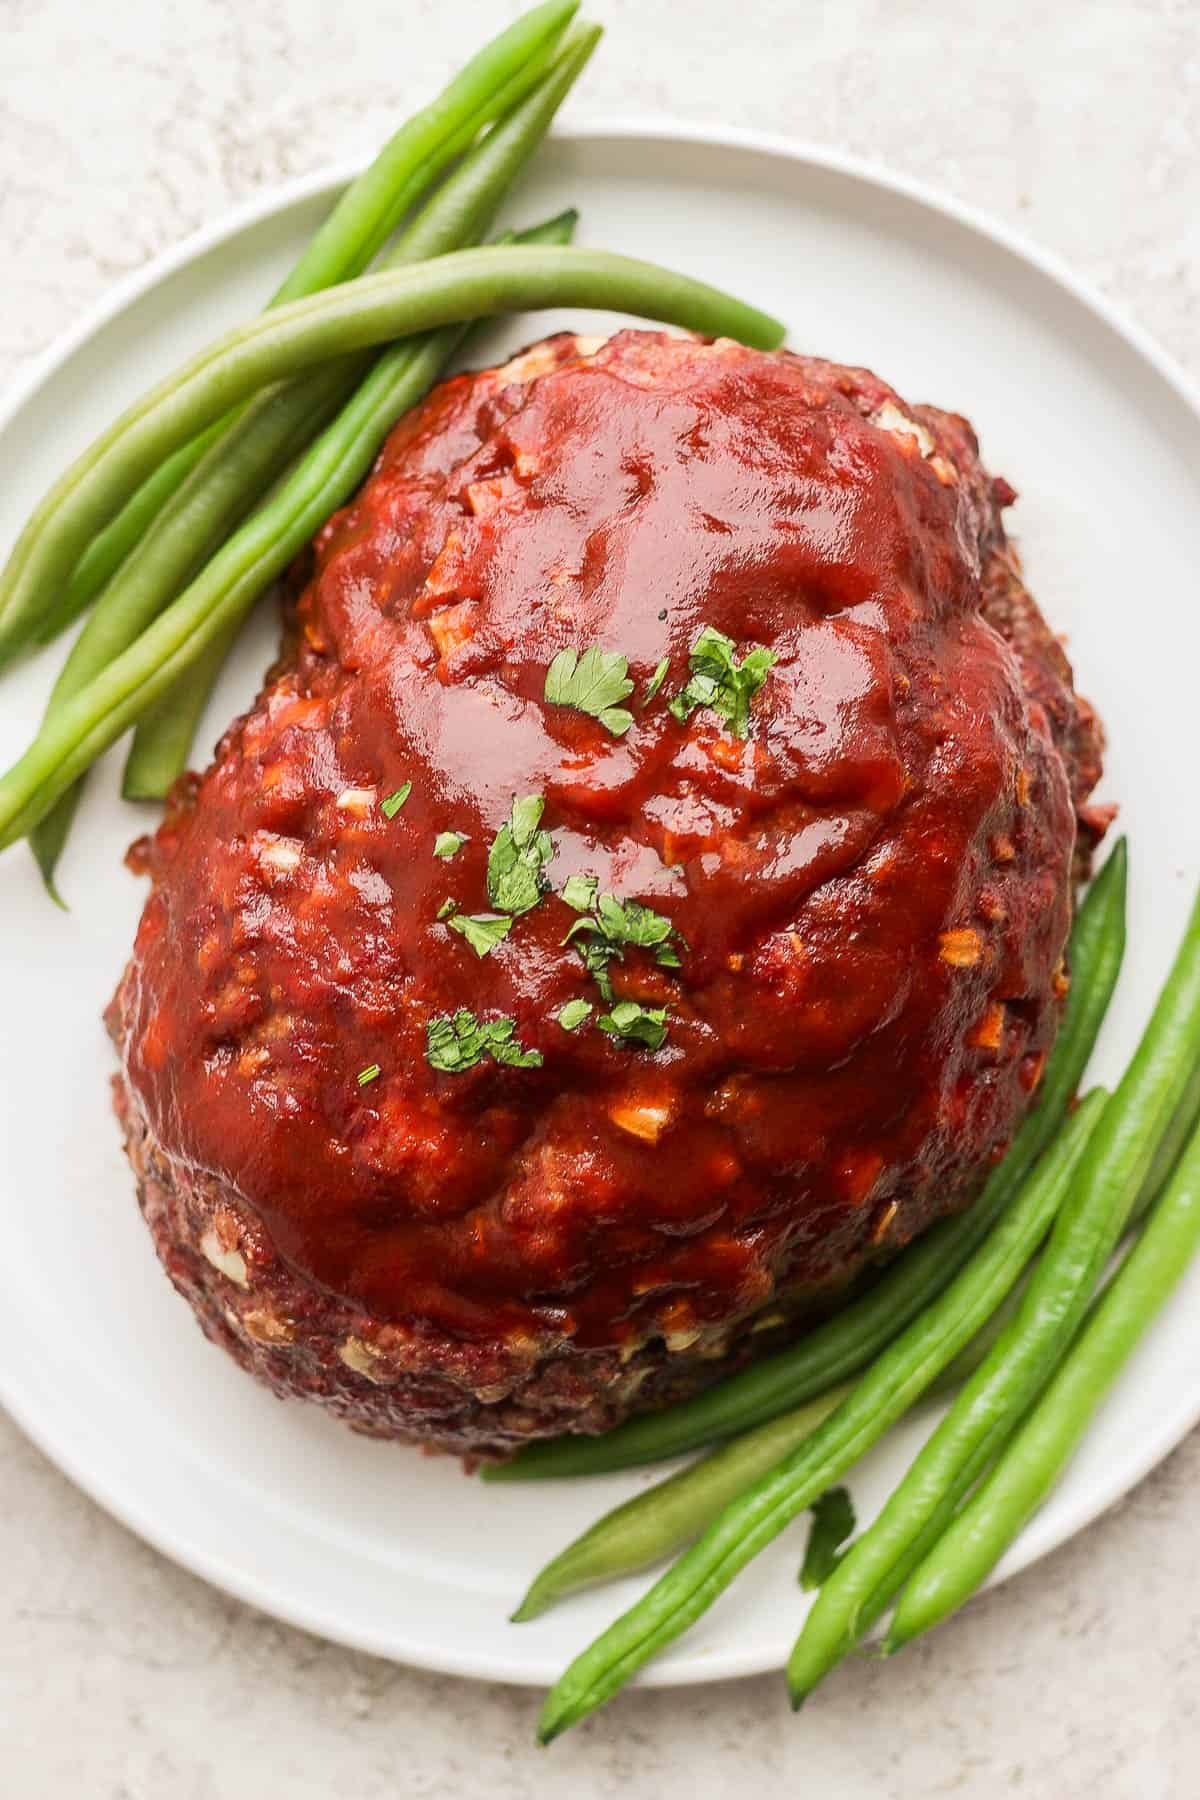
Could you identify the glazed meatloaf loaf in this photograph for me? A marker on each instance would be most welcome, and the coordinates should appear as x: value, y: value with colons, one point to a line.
x: 501, y: 1058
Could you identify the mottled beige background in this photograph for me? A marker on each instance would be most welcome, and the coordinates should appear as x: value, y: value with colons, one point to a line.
x: 125, y: 125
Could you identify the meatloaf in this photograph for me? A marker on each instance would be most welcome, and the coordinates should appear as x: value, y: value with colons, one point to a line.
x: 806, y: 911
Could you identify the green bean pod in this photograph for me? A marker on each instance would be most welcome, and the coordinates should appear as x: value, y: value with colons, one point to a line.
x: 469, y: 284
x: 486, y: 88
x: 963, y: 1366
x: 984, y: 1415
x: 163, y: 737
x: 874, y: 1608
x: 1171, y: 1147
x: 972, y: 1545
x: 208, y: 505
x: 275, y: 426
x: 1166, y: 1157
x: 969, y: 1359
x: 881, y: 1396
x: 847, y: 1342
x: 1111, y: 1176
x: 360, y: 223
x: 673, y: 1512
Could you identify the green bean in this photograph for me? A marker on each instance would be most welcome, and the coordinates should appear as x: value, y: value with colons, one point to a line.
x: 969, y: 1360
x: 218, y: 493
x: 1171, y: 1146
x: 965, y: 1364
x: 966, y: 1441
x: 873, y: 1609
x: 847, y: 1342
x: 1176, y: 1137
x: 217, y: 600
x: 493, y: 82
x: 673, y: 1512
x: 398, y: 303
x: 881, y: 1396
x: 365, y: 216
x: 1108, y: 1183
x: 163, y: 736
x: 1033, y: 1462
x: 467, y: 284
x: 274, y: 427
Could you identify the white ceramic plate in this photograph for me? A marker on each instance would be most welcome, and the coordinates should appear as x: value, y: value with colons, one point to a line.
x: 370, y: 1544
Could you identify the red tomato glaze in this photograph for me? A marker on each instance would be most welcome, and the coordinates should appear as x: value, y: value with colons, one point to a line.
x: 874, y: 887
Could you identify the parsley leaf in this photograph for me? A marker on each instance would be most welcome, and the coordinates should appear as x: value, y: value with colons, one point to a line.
x: 447, y: 909
x: 371, y: 1073
x: 391, y: 806
x: 503, y: 1049
x: 720, y: 682
x: 448, y: 844
x: 525, y: 818
x: 574, y: 1013
x: 635, y: 1024
x: 592, y: 683
x: 655, y: 681
x: 482, y: 932
x: 832, y: 1522
x: 597, y: 953
x: 459, y: 1041
x: 453, y: 1044
x: 518, y: 857
x: 580, y: 892
x: 628, y: 921
x: 611, y: 925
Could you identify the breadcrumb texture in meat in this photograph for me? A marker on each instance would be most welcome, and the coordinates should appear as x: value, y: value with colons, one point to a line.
x: 872, y: 893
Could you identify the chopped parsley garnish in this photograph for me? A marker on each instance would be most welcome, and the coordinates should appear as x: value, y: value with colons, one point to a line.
x: 515, y: 875
x: 391, y: 806
x: 574, y: 1014
x: 371, y: 1073
x: 457, y: 1042
x: 832, y: 1523
x: 720, y: 682
x: 610, y: 926
x: 580, y: 892
x: 594, y: 683
x: 517, y: 859
x: 448, y: 844
x: 482, y: 931
x: 632, y: 1023
x: 597, y: 953
x: 655, y: 681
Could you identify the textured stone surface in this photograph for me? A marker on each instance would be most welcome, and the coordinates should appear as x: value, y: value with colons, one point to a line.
x: 122, y: 128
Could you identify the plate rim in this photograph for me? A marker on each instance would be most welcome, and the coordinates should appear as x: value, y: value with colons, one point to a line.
x: 1038, y: 1538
